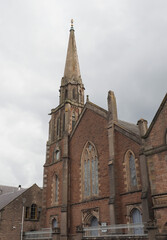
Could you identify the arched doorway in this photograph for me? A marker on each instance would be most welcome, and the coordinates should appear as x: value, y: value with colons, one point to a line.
x: 54, y: 223
x: 137, y: 219
x: 94, y: 223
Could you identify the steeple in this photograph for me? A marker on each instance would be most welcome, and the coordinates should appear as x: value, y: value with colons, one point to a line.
x: 72, y: 71
x: 72, y: 88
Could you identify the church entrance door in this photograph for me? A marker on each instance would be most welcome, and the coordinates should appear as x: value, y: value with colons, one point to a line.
x: 94, y: 223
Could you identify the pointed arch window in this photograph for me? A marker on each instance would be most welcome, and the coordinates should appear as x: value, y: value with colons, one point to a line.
x: 56, y: 189
x: 64, y: 122
x: 131, y: 178
x: 58, y: 126
x: 94, y: 223
x: 56, y: 155
x: 89, y: 171
x: 73, y: 120
x: 166, y: 137
x: 66, y: 94
x: 74, y: 93
x: 54, y: 223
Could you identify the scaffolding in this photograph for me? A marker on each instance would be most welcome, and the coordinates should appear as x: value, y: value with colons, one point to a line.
x: 44, y: 234
x: 118, y: 230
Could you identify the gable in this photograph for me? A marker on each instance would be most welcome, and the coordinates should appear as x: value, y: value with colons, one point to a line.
x: 157, y: 130
x: 92, y: 127
x: 9, y: 197
x: 94, y: 108
x: 89, y: 122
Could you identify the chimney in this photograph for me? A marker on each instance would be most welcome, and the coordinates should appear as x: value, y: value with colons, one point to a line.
x: 142, y: 123
x: 19, y: 187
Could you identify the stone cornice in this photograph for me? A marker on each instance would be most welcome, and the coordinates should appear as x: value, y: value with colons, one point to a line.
x: 63, y: 104
x: 153, y: 150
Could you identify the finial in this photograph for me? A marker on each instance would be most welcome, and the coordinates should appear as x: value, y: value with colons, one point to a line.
x: 72, y: 21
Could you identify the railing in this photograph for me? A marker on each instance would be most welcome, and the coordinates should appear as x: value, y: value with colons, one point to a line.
x: 119, y: 230
x: 45, y: 234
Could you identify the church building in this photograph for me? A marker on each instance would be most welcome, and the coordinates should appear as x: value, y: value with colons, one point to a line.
x: 101, y: 173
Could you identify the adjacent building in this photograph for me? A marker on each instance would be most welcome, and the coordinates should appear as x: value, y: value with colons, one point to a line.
x: 20, y: 211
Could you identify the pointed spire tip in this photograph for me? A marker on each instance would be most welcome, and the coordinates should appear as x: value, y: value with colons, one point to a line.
x: 72, y: 25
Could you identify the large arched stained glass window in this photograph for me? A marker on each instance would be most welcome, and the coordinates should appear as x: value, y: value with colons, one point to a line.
x: 89, y: 171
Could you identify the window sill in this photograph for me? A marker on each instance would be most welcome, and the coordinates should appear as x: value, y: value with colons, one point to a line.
x: 131, y: 192
x: 31, y: 220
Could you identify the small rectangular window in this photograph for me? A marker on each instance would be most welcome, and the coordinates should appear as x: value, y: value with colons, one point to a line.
x: 27, y: 213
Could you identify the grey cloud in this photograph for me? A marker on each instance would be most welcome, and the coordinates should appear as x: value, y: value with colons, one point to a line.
x: 121, y: 46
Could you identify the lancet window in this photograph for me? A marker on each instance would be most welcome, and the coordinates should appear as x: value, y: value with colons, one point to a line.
x: 56, y: 155
x: 56, y: 189
x: 166, y: 137
x: 89, y: 171
x: 131, y: 178
x: 74, y: 93
x: 73, y: 120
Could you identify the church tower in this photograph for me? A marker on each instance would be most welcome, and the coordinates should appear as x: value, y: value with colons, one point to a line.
x: 63, y: 119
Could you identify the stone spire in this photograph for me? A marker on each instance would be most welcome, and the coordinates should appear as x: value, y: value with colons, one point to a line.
x: 71, y: 88
x: 72, y: 71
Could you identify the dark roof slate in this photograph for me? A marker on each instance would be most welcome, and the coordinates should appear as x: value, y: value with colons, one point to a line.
x: 8, y: 197
x: 130, y: 127
x: 7, y: 189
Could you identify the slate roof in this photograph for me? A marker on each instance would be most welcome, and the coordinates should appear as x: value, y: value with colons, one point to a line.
x: 9, y: 196
x: 129, y: 126
x: 7, y: 189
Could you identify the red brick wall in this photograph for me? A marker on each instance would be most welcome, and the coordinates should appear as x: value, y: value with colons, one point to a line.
x: 157, y: 165
x: 157, y: 168
x: 92, y: 127
x: 51, y: 213
x: 160, y: 215
x: 52, y: 168
x: 123, y: 197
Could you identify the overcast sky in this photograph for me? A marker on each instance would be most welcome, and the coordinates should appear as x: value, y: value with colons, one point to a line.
x: 122, y: 46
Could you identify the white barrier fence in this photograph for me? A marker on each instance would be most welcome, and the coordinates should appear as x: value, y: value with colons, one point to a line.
x: 119, y: 230
x: 45, y: 234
